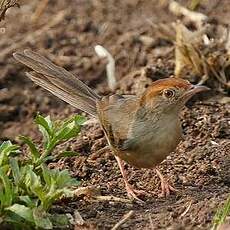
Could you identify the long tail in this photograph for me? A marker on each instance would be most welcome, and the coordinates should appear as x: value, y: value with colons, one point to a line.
x: 59, y: 81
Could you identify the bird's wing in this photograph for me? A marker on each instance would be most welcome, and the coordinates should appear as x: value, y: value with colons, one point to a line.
x: 116, y: 114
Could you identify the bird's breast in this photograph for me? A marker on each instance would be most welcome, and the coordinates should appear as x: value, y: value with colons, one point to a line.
x: 149, y: 144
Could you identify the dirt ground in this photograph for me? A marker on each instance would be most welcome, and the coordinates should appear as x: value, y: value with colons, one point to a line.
x: 67, y: 32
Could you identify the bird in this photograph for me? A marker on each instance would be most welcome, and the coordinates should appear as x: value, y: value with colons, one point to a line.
x: 140, y: 130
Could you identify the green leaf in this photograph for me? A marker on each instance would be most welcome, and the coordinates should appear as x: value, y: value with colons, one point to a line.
x: 43, y: 160
x: 67, y: 132
x: 15, y: 170
x: 33, y: 149
x: 47, y: 175
x: 56, y: 185
x: 60, y: 221
x: 15, y: 221
x: 80, y: 120
x: 5, y: 168
x: 70, y: 128
x: 33, y: 183
x: 221, y: 214
x: 41, y: 219
x: 63, y: 179
x: 31, y: 203
x: 51, y: 197
x: 56, y: 179
x: 6, y: 149
x: 22, y: 211
x: 45, y: 122
x: 24, y: 174
x: 46, y: 127
x: 6, y: 192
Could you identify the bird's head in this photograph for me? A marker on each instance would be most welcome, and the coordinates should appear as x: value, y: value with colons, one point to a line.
x: 169, y: 94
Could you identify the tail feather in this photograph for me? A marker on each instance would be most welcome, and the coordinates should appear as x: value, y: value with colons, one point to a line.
x: 59, y: 81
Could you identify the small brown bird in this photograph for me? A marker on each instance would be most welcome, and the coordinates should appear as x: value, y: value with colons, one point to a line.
x: 141, y: 130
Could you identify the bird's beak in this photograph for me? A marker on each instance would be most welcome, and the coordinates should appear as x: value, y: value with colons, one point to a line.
x: 193, y: 90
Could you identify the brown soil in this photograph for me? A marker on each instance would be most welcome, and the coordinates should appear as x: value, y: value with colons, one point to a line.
x: 199, y: 168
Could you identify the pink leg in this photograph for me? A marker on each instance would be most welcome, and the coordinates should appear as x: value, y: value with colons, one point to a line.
x: 131, y: 192
x: 166, y: 188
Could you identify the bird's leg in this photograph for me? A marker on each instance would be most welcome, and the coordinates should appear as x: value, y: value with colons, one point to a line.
x: 166, y: 188
x: 133, y: 193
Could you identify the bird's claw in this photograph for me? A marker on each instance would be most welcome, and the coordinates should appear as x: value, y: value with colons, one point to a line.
x: 134, y: 193
x: 166, y: 189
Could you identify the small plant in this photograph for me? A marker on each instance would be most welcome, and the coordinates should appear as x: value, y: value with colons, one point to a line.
x: 221, y: 215
x: 29, y: 188
x: 53, y: 134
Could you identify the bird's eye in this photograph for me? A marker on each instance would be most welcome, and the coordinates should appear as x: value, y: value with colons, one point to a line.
x: 169, y: 93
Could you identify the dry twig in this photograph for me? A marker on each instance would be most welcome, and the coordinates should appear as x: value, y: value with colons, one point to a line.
x: 112, y: 199
x: 123, y: 220
x: 187, y: 209
x: 204, y: 57
x: 78, y: 218
x: 91, y: 191
x: 179, y: 10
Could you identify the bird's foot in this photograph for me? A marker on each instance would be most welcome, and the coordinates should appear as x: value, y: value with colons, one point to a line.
x: 135, y: 193
x: 132, y: 193
x: 166, y: 188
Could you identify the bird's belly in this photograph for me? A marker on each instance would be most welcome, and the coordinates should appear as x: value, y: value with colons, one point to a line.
x: 151, y: 149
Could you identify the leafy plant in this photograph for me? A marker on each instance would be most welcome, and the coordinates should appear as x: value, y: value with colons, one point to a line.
x: 29, y: 188
x: 221, y: 215
x: 6, y: 149
x: 53, y: 134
